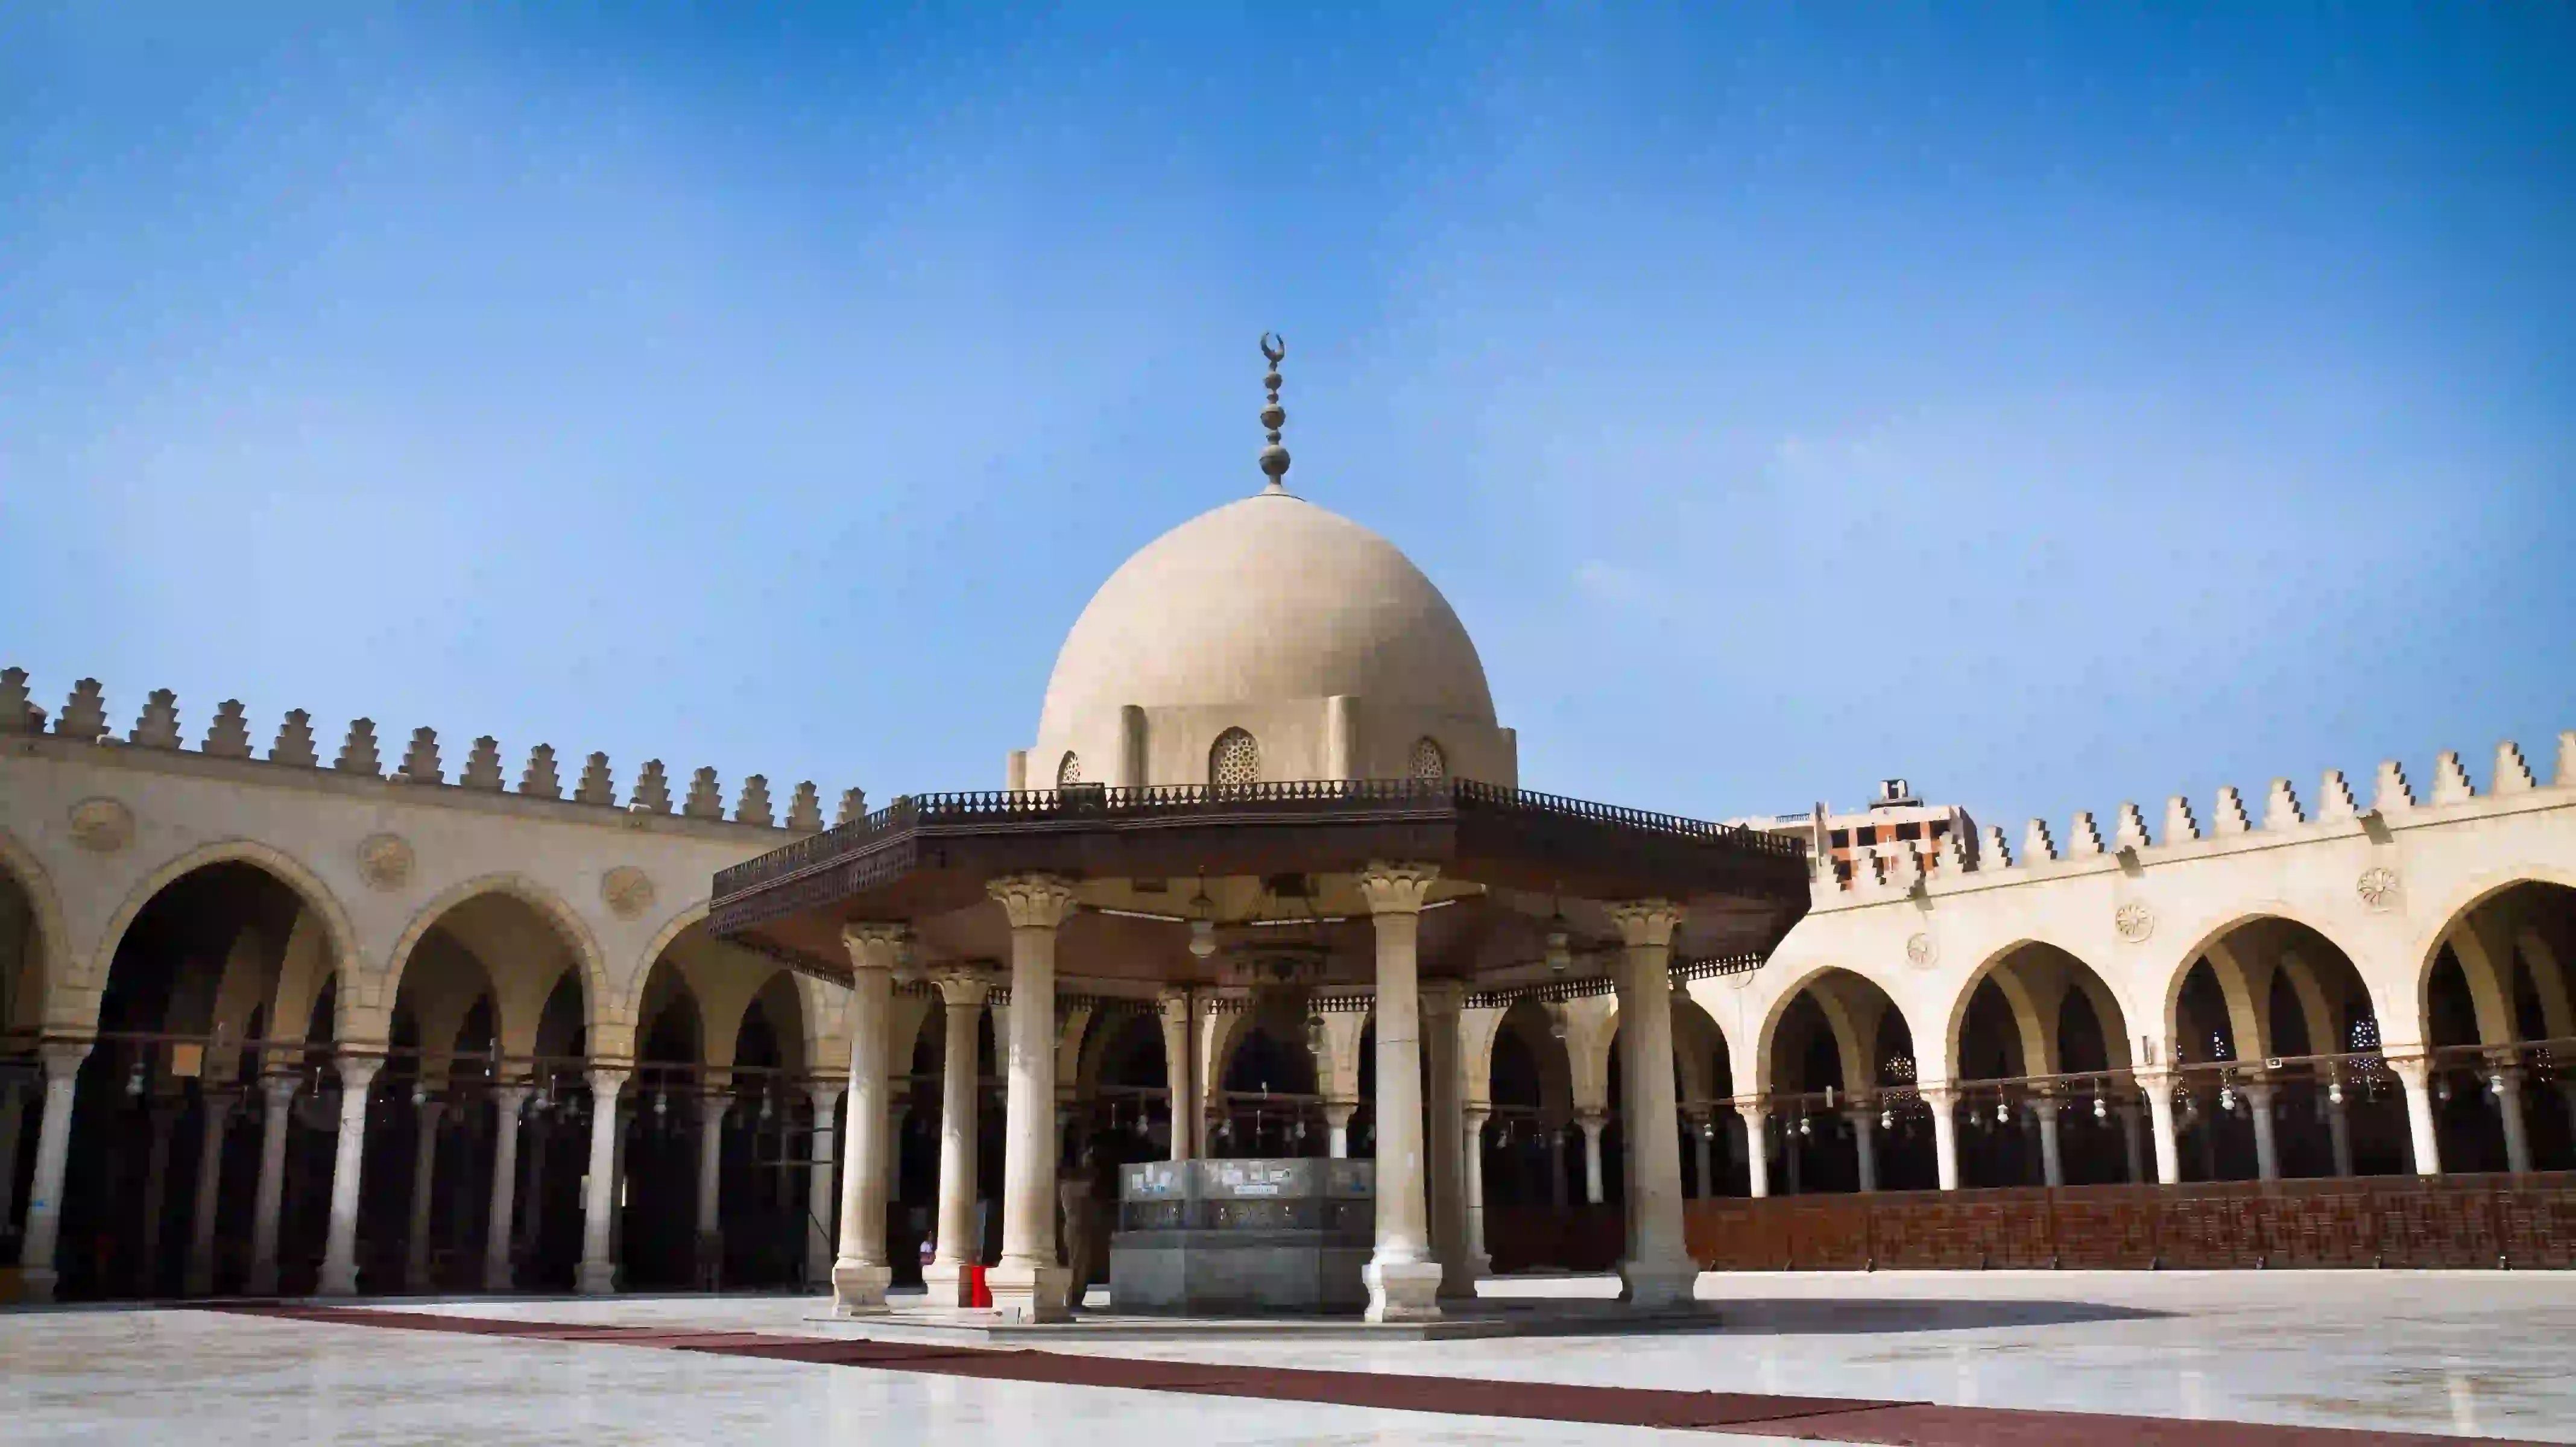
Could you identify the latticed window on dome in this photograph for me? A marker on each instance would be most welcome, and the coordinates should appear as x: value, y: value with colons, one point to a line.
x: 1235, y: 761
x: 1069, y: 770
x: 1428, y: 761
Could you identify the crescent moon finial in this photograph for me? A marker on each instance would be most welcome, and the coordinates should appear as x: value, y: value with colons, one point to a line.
x: 1274, y: 458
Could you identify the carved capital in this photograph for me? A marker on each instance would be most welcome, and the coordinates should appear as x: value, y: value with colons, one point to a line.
x: 2415, y: 1071
x: 1034, y: 901
x: 1393, y: 887
x: 962, y: 986
x: 63, y: 1060
x: 1443, y: 997
x: 606, y: 1082
x: 873, y: 946
x: 1645, y: 922
x: 357, y: 1072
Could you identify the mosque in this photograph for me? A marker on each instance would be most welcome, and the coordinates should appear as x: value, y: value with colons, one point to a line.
x: 271, y: 1024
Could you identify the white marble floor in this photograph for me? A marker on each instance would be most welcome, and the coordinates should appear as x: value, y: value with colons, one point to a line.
x: 2480, y: 1353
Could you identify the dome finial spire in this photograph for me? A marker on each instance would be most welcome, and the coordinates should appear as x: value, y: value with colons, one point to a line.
x: 1274, y: 458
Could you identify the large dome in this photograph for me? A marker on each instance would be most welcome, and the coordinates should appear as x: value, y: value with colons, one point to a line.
x: 1267, y: 599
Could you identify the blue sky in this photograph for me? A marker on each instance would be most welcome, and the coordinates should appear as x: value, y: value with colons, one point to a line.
x: 2056, y: 405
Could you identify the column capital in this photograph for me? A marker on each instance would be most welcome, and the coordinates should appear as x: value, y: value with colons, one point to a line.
x: 712, y: 1108
x: 607, y: 1080
x: 1591, y: 1118
x: 1396, y: 886
x: 1647, y: 922
x: 873, y: 946
x: 2414, y: 1071
x: 63, y: 1058
x: 2152, y: 1078
x: 1940, y: 1094
x: 1339, y: 1112
x: 1754, y: 1111
x: 357, y: 1072
x: 1034, y: 901
x: 963, y: 986
x: 826, y: 1094
x: 1443, y: 997
x: 279, y: 1090
x: 1475, y: 1113
x: 511, y: 1097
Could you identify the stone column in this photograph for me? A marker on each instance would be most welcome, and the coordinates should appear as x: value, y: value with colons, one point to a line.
x: 1592, y: 1121
x: 1659, y: 1270
x: 1403, y: 1280
x: 1337, y: 1124
x: 2507, y: 1084
x: 424, y: 1171
x: 1445, y: 1147
x: 2159, y: 1088
x: 1027, y: 1284
x: 1703, y: 1133
x: 2267, y: 1144
x: 710, y: 1245
x: 217, y: 1105
x: 532, y: 1180
x: 1864, y: 1125
x: 156, y: 1193
x: 820, y: 1242
x: 2339, y: 1128
x: 861, y: 1269
x: 53, y: 1150
x: 961, y: 997
x: 2134, y: 1142
x: 2415, y: 1073
x: 1944, y: 1101
x: 340, y: 1251
x: 617, y: 1180
x: 277, y: 1094
x: 1478, y: 1262
x: 1757, y: 1153
x: 1172, y: 1010
x: 12, y: 1115
x: 507, y: 1102
x: 1556, y: 1168
x: 2052, y: 1165
x: 597, y: 1275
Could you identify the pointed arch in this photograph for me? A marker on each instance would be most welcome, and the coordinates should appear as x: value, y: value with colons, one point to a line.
x: 2179, y: 967
x: 339, y: 935
x: 1855, y: 1049
x: 2492, y: 998
x: 590, y: 964
x: 2036, y: 1008
x: 53, y: 937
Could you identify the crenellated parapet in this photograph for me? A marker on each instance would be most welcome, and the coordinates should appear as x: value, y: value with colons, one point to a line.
x: 2233, y: 823
x: 83, y: 718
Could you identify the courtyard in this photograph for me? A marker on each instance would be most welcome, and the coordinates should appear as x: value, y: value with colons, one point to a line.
x: 2380, y: 1356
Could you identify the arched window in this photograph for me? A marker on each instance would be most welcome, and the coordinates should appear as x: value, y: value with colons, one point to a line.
x: 1069, y: 769
x: 1235, y: 761
x: 1428, y: 761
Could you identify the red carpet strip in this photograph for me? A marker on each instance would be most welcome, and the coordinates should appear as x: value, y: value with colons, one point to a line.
x: 1835, y: 1419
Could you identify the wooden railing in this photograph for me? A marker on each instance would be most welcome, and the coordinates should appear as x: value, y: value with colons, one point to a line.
x: 2517, y: 1222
